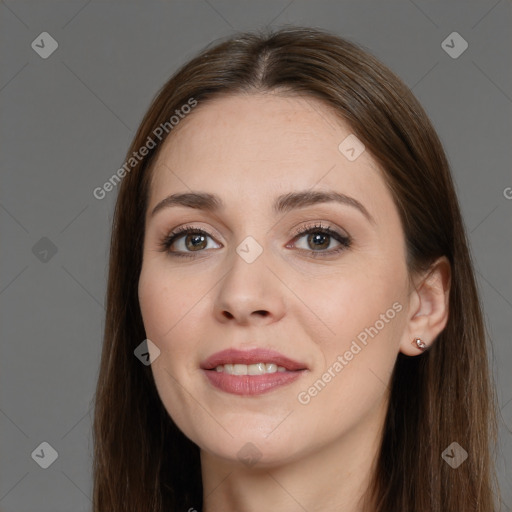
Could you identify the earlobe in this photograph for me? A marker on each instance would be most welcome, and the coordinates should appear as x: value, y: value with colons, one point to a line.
x: 419, y: 343
x: 430, y: 314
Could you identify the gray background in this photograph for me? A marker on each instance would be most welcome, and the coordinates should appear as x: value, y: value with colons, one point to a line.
x: 66, y: 123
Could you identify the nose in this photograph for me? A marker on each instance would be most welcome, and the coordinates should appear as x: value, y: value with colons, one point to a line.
x: 249, y: 293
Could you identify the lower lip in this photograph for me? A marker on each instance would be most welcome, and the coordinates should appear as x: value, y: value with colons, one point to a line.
x: 250, y: 384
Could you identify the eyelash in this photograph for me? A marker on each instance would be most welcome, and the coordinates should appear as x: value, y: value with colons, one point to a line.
x: 345, y: 241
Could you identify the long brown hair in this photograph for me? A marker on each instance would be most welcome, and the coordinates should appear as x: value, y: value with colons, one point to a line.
x: 142, y: 462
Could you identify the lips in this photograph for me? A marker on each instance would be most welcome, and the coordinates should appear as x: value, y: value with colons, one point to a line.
x: 254, y: 356
x: 284, y: 371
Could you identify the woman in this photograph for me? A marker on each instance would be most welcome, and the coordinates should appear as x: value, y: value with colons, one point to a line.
x: 292, y: 317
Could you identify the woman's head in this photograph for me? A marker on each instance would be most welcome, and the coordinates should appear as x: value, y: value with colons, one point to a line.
x: 306, y: 296
x: 323, y: 225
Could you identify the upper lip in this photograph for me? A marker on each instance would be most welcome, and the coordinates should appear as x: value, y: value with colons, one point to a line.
x: 253, y: 356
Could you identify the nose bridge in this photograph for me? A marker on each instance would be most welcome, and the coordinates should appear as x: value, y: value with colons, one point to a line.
x: 246, y: 269
x: 248, y: 286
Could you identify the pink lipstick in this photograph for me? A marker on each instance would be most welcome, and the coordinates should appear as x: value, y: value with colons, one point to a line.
x: 250, y: 372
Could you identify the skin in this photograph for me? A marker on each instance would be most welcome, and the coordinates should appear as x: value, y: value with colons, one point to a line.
x: 248, y: 150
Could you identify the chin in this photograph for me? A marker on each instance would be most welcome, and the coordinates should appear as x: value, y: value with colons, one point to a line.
x: 253, y: 447
x: 252, y: 455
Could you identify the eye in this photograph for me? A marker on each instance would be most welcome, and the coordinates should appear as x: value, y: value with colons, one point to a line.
x: 187, y: 240
x: 318, y: 238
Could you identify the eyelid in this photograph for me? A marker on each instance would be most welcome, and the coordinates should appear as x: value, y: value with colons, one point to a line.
x: 321, y: 226
x: 181, y: 232
x: 344, y: 240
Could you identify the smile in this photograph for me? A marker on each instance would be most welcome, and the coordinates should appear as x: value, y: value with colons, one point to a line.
x: 251, y: 372
x: 250, y: 369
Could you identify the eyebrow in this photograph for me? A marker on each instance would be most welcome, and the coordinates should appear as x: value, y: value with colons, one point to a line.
x: 282, y: 204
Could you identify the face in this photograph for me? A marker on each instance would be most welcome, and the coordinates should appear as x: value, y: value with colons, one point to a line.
x: 304, y: 295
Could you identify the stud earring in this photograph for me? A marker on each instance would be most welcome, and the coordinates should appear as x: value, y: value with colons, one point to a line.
x: 419, y: 343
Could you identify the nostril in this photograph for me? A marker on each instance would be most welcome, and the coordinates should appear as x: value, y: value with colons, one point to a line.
x: 260, y: 312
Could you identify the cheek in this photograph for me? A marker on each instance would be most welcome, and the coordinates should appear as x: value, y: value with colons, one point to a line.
x: 335, y: 309
x: 166, y: 299
x: 174, y: 310
x: 154, y: 303
x: 168, y: 316
x: 365, y: 315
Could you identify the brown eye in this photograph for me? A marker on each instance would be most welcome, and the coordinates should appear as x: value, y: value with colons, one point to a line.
x: 195, y: 242
x: 186, y: 240
x: 318, y: 239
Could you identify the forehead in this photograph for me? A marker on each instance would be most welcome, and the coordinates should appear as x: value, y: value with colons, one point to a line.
x: 258, y: 145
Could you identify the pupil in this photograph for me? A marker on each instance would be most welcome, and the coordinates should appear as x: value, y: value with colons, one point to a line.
x: 196, y: 240
x: 318, y: 237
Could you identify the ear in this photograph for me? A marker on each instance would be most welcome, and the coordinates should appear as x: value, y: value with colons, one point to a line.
x: 428, y: 307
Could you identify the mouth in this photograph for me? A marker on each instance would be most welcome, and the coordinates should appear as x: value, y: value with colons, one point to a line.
x: 251, y: 372
x: 251, y: 362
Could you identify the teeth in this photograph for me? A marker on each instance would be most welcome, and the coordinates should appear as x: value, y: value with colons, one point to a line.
x: 271, y: 367
x: 256, y: 369
x: 240, y: 369
x: 251, y: 369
